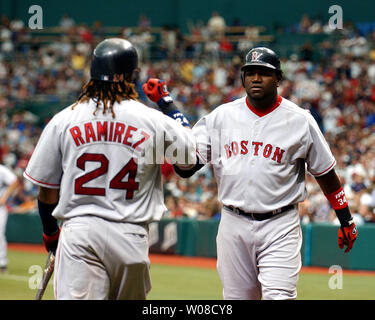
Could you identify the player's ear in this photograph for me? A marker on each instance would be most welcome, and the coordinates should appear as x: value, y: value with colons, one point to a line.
x: 279, y: 76
x: 134, y: 75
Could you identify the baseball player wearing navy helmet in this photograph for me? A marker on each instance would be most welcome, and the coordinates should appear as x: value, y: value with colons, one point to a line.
x: 96, y: 168
x: 260, y: 147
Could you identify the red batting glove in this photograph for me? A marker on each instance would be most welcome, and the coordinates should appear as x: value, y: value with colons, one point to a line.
x: 155, y: 89
x: 347, y: 236
x: 51, y: 241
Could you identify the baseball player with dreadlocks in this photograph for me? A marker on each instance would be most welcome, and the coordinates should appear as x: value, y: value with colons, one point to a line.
x: 97, y: 163
x: 260, y: 146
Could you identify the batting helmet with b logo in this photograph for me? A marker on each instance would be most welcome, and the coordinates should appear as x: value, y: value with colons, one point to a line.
x: 261, y: 56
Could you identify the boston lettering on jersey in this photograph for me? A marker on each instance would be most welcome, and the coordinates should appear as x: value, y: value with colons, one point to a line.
x: 259, y: 148
x: 109, y: 131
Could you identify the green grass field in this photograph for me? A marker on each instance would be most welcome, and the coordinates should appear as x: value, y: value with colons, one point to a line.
x: 181, y: 283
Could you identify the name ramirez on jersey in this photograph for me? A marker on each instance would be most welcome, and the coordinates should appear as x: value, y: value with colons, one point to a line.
x: 108, y: 131
x: 109, y: 166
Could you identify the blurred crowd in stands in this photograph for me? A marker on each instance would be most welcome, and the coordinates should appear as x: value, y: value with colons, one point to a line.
x: 202, y: 71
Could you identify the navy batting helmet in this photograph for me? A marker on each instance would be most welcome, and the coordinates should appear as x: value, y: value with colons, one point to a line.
x: 261, y: 56
x: 113, y: 60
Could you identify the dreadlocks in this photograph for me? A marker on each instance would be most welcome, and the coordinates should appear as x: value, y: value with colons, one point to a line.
x: 107, y: 93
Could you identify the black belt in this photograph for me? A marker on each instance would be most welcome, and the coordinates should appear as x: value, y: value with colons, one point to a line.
x: 260, y: 216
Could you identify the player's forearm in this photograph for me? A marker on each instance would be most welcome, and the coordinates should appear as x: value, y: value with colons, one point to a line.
x: 47, y: 202
x: 49, y: 196
x: 156, y: 90
x: 187, y: 172
x: 169, y: 109
x: 331, y: 186
x: 10, y: 190
x: 329, y: 182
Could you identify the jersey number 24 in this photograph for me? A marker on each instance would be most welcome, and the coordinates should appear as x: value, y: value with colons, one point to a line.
x: 117, y: 182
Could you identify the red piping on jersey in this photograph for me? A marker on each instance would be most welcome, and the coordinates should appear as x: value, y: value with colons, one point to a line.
x: 200, y: 155
x: 261, y: 113
x: 320, y: 173
x: 41, y: 182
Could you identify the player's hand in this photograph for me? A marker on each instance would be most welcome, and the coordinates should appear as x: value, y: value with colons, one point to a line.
x: 50, y: 241
x: 155, y: 89
x: 347, y: 236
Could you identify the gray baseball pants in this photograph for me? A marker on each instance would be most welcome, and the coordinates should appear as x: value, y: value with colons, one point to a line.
x: 259, y: 259
x: 3, y: 240
x: 97, y: 259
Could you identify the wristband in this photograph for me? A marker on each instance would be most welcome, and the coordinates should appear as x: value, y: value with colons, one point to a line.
x: 337, y: 199
x: 166, y: 104
x: 168, y: 108
x: 179, y: 117
x: 51, y: 241
x: 51, y: 238
x: 339, y: 203
x: 49, y: 223
x: 344, y: 217
x: 166, y: 100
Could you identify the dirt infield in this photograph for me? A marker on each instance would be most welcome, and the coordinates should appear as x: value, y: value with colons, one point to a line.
x: 36, y: 248
x: 176, y: 260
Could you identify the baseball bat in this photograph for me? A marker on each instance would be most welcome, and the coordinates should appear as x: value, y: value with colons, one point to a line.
x: 47, y: 273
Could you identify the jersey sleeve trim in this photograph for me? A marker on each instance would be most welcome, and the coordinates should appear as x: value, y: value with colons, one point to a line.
x: 325, y: 171
x: 201, y: 157
x: 41, y: 183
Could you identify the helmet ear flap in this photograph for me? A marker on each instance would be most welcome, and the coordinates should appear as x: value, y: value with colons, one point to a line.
x: 243, y: 78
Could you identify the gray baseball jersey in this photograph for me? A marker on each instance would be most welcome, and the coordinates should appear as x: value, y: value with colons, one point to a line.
x: 7, y: 177
x: 109, y: 176
x: 259, y: 161
x: 109, y: 167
